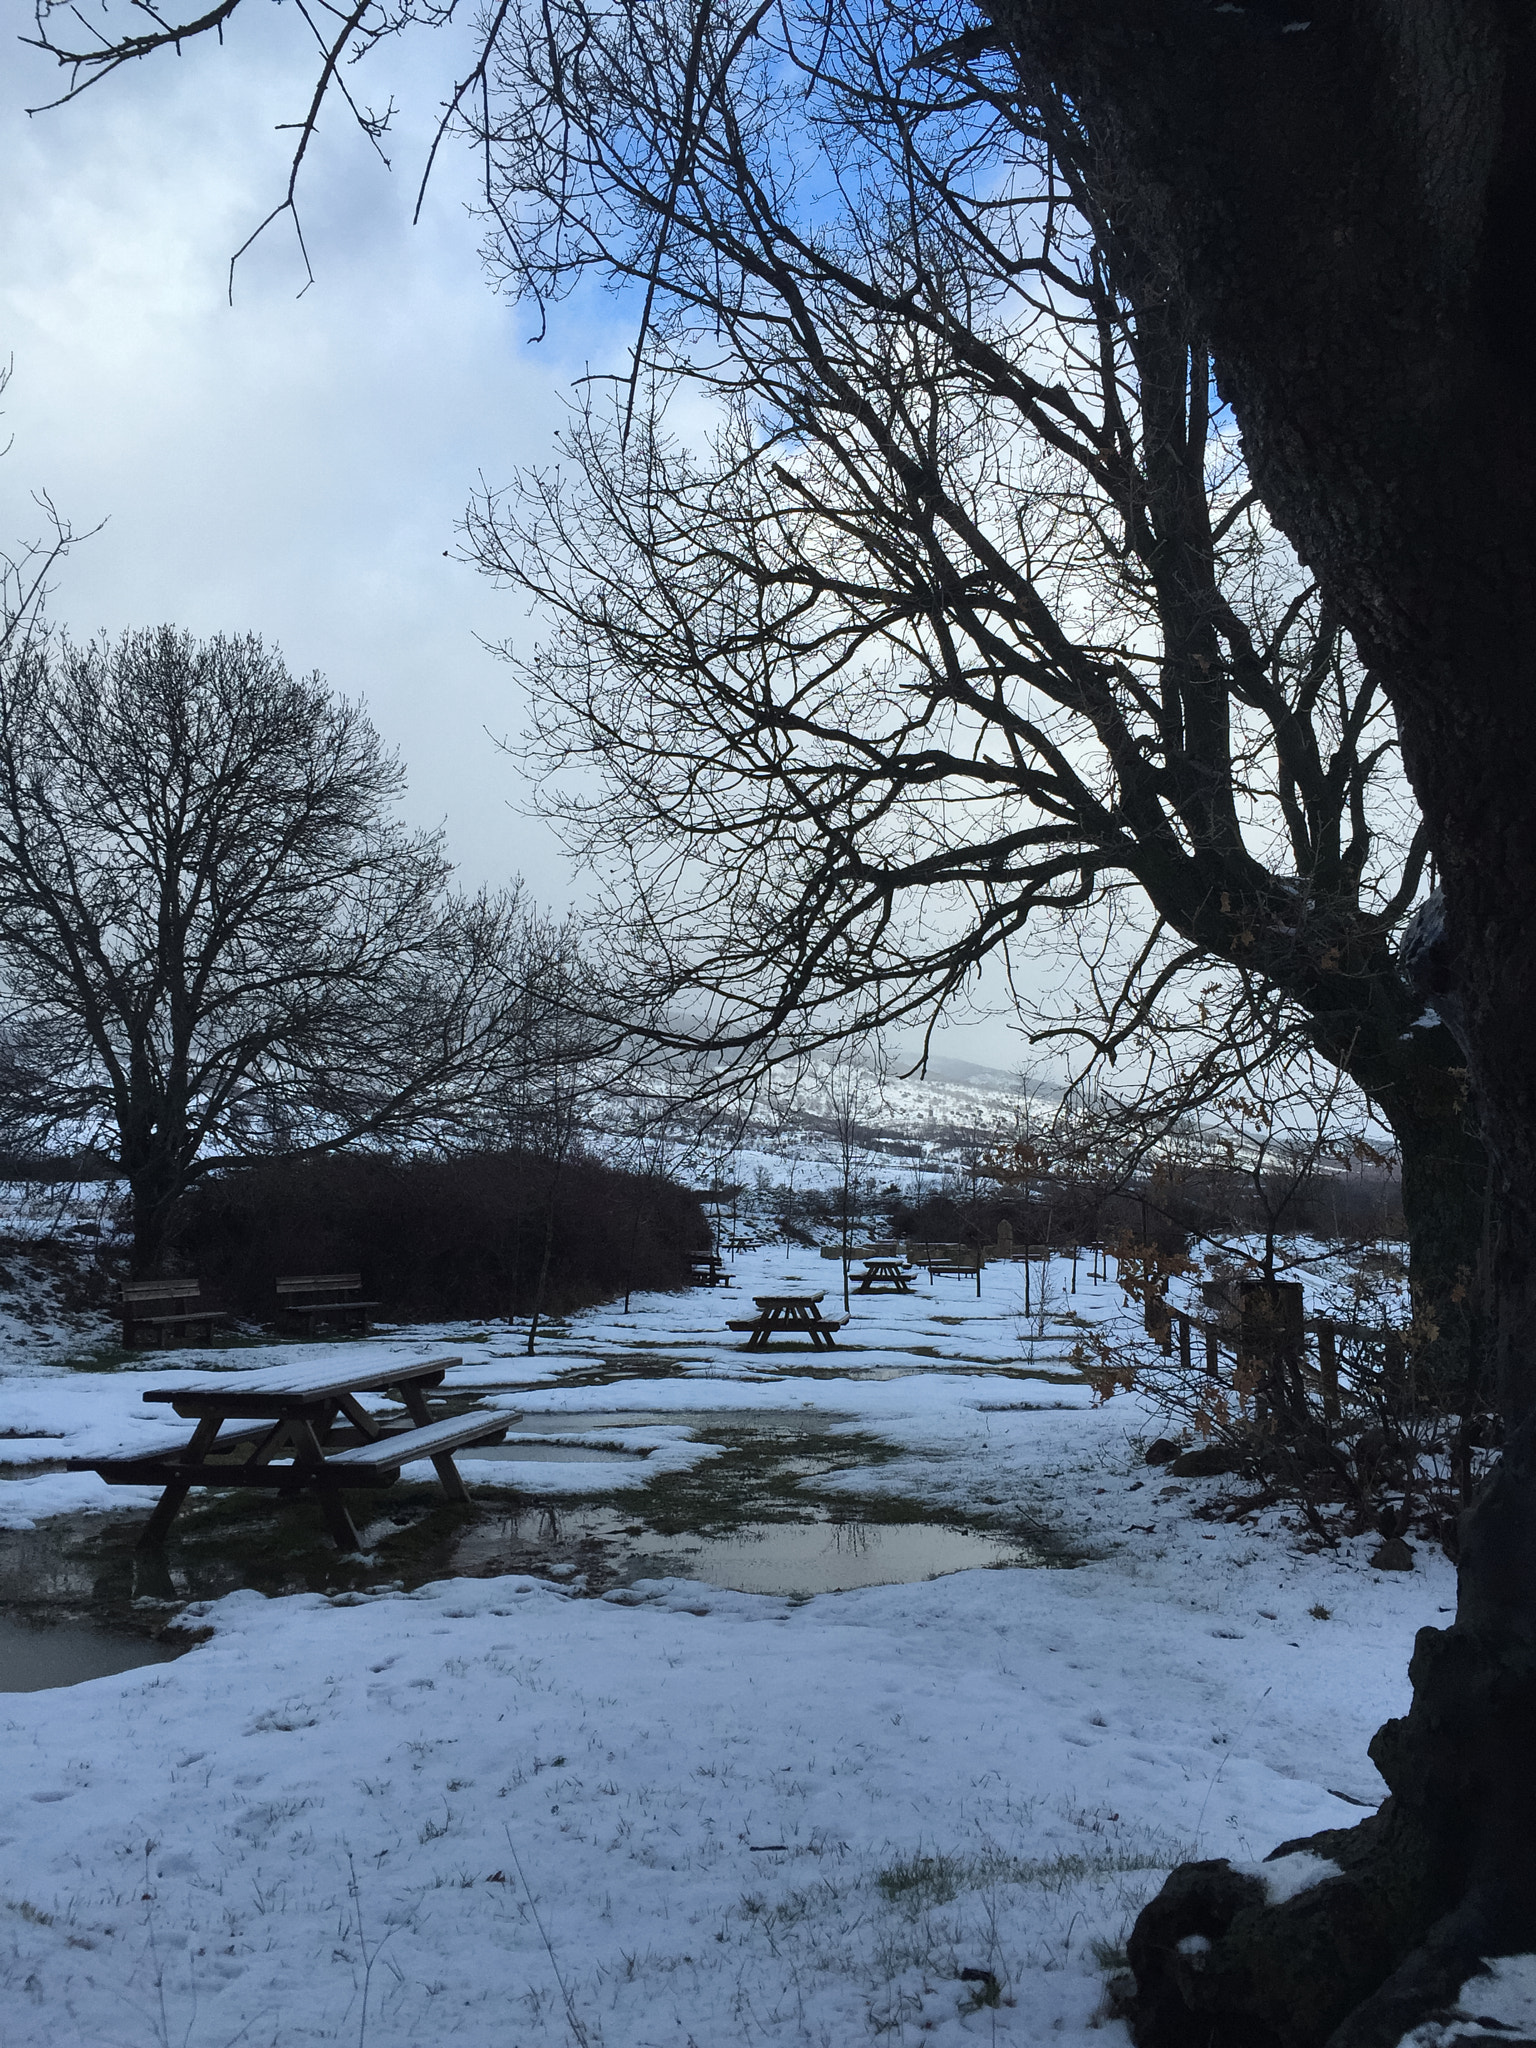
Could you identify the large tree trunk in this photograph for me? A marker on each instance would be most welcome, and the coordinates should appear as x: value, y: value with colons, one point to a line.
x: 154, y: 1187
x: 1345, y: 198
x: 1445, y: 1209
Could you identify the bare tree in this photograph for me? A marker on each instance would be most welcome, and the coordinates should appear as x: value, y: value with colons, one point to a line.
x: 215, y: 940
x: 959, y: 616
x: 848, y: 1089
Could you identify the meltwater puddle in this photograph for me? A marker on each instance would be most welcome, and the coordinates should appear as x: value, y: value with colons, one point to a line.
x: 797, y: 1559
x: 766, y: 1510
x: 514, y: 1453
x: 37, y: 1654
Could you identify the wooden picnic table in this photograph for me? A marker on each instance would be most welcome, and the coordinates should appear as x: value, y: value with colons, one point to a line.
x: 885, y: 1275
x: 297, y: 1429
x: 789, y: 1315
x: 709, y: 1269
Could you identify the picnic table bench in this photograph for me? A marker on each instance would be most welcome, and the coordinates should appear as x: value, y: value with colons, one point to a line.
x: 885, y: 1275
x: 162, y: 1306
x: 297, y: 1430
x: 343, y: 1289
x: 709, y: 1269
x: 790, y: 1315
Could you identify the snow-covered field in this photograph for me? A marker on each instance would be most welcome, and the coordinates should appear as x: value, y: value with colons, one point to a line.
x: 495, y: 1810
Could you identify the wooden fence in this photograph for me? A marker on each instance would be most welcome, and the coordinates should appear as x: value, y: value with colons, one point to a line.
x: 1269, y: 1333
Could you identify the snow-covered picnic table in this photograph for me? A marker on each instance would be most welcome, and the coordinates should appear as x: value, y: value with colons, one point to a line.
x: 885, y: 1276
x: 793, y: 1315
x: 286, y: 1427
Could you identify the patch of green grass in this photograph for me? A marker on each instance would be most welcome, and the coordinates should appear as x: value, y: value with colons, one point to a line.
x: 108, y: 1356
x: 922, y: 1881
x: 760, y: 1475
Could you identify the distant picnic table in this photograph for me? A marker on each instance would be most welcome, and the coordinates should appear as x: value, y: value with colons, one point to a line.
x: 789, y: 1315
x: 709, y: 1269
x: 883, y: 1275
x: 297, y: 1430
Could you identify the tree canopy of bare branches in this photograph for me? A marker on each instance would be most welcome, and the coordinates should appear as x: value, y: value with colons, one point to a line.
x: 913, y: 605
x: 215, y: 940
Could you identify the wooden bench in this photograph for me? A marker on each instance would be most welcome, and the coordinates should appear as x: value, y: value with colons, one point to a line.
x: 953, y: 1262
x: 295, y: 1431
x: 172, y: 1316
x: 347, y: 1286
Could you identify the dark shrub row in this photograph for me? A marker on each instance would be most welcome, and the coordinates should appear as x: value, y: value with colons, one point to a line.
x: 1167, y: 1214
x: 439, y: 1238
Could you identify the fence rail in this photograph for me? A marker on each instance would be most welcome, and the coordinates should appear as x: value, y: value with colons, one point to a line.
x: 1259, y: 1345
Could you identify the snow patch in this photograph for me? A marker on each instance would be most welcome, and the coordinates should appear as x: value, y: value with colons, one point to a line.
x: 1287, y: 1876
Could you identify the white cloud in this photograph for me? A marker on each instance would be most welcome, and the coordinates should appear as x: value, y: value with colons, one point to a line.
x: 289, y: 464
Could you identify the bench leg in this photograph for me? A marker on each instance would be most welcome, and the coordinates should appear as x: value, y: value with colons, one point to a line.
x: 452, y: 1478
x: 167, y: 1508
x: 309, y: 1470
x: 337, y: 1519
x: 152, y: 1575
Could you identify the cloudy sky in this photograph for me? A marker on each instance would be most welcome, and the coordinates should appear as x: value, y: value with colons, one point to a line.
x: 291, y: 464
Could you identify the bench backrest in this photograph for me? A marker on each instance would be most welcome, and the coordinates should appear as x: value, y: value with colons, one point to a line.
x: 319, y: 1283
x: 159, y: 1290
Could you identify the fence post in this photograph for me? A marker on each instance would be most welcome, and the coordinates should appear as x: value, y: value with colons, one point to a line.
x: 1393, y: 1372
x: 1328, y: 1366
x: 1273, y: 1322
x: 1183, y: 1339
x: 1156, y: 1317
x: 1212, y: 1355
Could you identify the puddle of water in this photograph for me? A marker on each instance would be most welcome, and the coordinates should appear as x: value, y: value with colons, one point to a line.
x: 746, y: 1517
x: 801, y: 1558
x: 544, y: 1454
x: 555, y: 1421
x: 37, y: 1655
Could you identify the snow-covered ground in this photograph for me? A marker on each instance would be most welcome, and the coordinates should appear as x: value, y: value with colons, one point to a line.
x: 499, y: 1810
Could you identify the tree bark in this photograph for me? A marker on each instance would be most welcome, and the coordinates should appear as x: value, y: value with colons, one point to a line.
x: 1344, y: 201
x: 1418, y: 1082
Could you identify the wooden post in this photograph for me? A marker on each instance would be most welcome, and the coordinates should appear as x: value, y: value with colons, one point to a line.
x: 1183, y: 1321
x: 1156, y: 1318
x: 1393, y: 1374
x: 1212, y: 1355
x: 1272, y: 1331
x: 1328, y: 1367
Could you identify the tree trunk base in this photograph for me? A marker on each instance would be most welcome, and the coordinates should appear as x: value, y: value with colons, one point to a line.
x: 1352, y: 1962
x: 1437, y: 1882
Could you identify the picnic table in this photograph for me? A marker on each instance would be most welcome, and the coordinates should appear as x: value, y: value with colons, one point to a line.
x: 297, y: 1430
x: 885, y: 1275
x: 791, y: 1315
